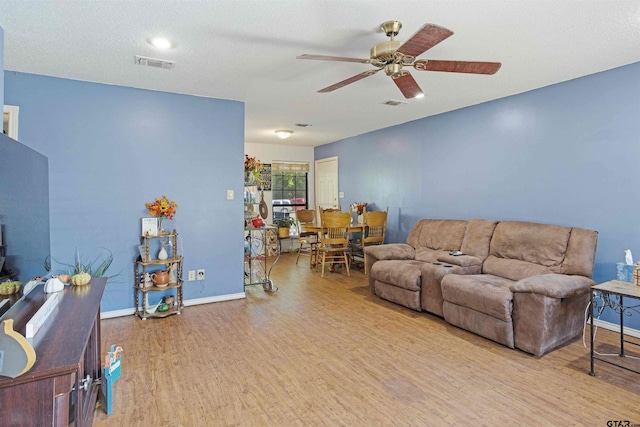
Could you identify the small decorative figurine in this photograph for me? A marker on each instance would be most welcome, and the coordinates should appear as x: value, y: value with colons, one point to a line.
x: 172, y: 274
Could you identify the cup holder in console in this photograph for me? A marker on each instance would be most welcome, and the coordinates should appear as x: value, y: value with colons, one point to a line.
x: 444, y: 265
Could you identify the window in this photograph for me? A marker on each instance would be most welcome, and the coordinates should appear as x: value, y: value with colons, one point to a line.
x: 289, y: 192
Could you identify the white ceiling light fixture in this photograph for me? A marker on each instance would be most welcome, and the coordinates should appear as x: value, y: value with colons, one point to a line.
x: 161, y: 43
x: 283, y: 133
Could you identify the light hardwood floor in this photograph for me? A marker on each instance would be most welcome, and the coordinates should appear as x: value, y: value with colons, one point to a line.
x: 325, y: 352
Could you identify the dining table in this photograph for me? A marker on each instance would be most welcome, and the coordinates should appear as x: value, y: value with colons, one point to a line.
x: 354, y: 227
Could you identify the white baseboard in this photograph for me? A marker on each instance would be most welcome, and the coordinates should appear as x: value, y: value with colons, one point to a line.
x: 197, y: 301
x: 218, y: 298
x: 615, y: 327
x: 117, y: 313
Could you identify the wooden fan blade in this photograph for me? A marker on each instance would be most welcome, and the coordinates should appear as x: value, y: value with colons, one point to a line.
x: 424, y: 39
x: 349, y: 81
x: 334, y: 58
x: 457, y: 66
x: 407, y: 85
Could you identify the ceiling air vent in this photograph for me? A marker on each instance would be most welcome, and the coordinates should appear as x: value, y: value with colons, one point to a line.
x: 154, y: 62
x: 394, y: 103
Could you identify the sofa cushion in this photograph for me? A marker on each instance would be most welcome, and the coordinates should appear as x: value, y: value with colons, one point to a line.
x: 513, y: 269
x: 541, y: 244
x: 581, y: 252
x: 429, y: 255
x: 401, y: 273
x: 478, y: 237
x: 437, y: 234
x: 484, y: 293
x: 523, y: 249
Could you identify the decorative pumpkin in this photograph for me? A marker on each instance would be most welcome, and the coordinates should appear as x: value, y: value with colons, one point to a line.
x: 81, y: 279
x: 63, y: 277
x: 53, y: 285
x: 8, y: 288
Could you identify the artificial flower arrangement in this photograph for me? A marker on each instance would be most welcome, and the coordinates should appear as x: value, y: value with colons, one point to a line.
x: 251, y: 164
x: 162, y: 207
x: 359, y: 207
x: 252, y: 168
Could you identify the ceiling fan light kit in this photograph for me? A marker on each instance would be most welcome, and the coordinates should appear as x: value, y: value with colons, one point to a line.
x: 284, y: 133
x: 392, y: 56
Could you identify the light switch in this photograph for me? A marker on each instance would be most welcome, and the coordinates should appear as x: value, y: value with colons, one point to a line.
x: 229, y: 194
x: 341, y: 194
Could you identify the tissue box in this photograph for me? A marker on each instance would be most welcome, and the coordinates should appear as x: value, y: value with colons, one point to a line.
x: 625, y: 272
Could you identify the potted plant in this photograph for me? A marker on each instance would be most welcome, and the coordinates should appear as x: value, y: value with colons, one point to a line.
x: 284, y: 225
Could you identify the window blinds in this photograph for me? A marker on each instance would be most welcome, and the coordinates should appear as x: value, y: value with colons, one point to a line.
x: 290, y: 167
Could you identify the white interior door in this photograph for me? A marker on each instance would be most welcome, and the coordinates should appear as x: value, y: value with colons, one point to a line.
x: 10, y: 121
x: 326, y: 177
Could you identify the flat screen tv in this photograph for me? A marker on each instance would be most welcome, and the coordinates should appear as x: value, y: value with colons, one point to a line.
x: 24, y: 211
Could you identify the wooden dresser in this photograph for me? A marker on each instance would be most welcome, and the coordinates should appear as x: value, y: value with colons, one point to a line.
x: 62, y: 386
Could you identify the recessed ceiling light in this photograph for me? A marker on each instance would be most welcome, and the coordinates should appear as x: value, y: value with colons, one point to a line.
x: 161, y: 43
x: 283, y: 133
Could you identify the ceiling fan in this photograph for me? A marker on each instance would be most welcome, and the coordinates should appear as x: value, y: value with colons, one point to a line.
x: 392, y: 56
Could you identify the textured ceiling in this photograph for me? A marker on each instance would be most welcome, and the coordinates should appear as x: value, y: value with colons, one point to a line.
x: 246, y: 51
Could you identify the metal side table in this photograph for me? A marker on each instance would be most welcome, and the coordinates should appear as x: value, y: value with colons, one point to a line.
x: 612, y: 294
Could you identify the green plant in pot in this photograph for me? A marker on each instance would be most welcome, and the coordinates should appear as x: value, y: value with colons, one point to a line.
x: 284, y: 224
x: 81, y: 266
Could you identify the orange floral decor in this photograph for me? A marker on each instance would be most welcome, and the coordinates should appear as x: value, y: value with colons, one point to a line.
x: 359, y: 207
x: 251, y: 164
x: 252, y: 168
x: 162, y: 207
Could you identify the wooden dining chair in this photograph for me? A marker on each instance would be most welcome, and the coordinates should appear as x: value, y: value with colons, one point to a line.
x: 333, y: 246
x: 320, y: 210
x: 307, y: 240
x: 374, y: 232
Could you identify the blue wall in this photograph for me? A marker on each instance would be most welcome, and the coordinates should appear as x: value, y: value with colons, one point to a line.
x: 24, y: 208
x: 1, y: 66
x: 111, y: 149
x: 566, y: 154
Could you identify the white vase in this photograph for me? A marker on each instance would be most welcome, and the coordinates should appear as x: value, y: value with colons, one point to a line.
x: 361, y: 219
x: 162, y: 255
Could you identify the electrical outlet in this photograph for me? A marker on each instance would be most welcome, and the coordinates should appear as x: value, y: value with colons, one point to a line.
x: 230, y: 195
x: 192, y: 276
x: 201, y: 274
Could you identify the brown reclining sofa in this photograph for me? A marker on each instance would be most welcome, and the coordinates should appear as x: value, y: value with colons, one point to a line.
x: 521, y: 284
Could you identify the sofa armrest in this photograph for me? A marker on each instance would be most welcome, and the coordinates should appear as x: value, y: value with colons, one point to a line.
x: 461, y: 260
x: 554, y: 285
x: 391, y: 251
